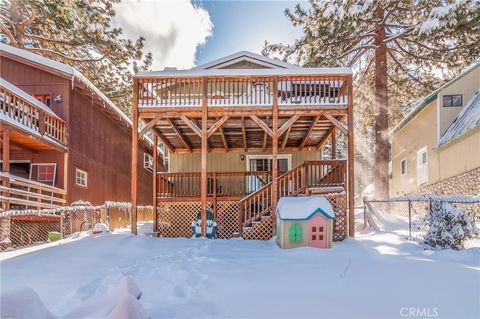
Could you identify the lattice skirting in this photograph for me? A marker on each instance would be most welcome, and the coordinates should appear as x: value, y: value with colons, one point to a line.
x: 175, y: 218
x: 340, y: 223
x: 260, y: 231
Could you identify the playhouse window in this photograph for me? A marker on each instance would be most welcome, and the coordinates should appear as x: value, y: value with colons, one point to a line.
x: 320, y: 237
x: 321, y: 229
x: 295, y: 233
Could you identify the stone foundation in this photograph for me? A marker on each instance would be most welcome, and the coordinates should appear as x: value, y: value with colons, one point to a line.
x: 467, y: 183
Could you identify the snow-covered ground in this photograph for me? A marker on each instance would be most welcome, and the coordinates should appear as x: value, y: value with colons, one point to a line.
x: 375, y: 275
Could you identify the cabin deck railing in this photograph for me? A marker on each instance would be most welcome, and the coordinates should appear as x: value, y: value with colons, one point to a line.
x: 255, y: 91
x: 16, y: 190
x: 219, y: 184
x: 22, y: 112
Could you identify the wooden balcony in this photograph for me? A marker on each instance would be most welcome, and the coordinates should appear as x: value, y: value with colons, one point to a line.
x: 22, y: 111
x: 18, y: 191
x: 247, y: 91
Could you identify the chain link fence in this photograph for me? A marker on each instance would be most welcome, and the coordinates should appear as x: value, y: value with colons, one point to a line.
x: 31, y: 227
x: 405, y: 215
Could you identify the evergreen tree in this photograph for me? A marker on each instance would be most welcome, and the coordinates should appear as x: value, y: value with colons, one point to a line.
x: 78, y: 33
x: 397, y: 48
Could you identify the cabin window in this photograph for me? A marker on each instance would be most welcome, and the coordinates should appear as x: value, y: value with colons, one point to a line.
x: 44, y: 173
x: 81, y: 177
x: 422, y: 166
x: 148, y: 162
x: 295, y: 233
x: 403, y: 167
x: 452, y: 100
x: 44, y: 98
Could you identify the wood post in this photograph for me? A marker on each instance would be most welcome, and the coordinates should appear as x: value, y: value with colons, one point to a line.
x: 6, y: 163
x: 134, y: 158
x: 275, y: 132
x: 154, y: 186
x: 334, y: 144
x: 203, y: 175
x: 351, y: 162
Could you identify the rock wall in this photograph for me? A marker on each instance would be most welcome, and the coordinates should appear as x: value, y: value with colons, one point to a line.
x: 467, y: 183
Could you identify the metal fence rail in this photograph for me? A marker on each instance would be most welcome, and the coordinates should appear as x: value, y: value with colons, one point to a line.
x: 405, y: 215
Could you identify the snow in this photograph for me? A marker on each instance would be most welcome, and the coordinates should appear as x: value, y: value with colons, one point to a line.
x: 374, y: 275
x: 298, y: 208
x: 245, y: 55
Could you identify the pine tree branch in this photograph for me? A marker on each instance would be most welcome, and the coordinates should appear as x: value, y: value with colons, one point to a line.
x: 431, y: 48
x: 416, y: 56
x: 367, y: 69
x: 66, y: 57
x: 403, y: 69
x: 43, y: 39
x: 357, y: 56
x: 366, y: 46
x: 398, y: 35
x: 9, y: 34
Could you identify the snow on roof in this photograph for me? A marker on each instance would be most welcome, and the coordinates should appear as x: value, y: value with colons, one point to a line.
x: 245, y: 55
x: 67, y: 70
x: 301, y: 208
x: 245, y: 72
x: 423, y: 102
x: 24, y: 95
x: 466, y: 120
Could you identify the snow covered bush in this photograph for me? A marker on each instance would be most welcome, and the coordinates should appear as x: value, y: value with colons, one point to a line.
x: 448, y: 227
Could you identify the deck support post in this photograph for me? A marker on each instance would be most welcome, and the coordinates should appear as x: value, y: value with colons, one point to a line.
x: 6, y: 162
x: 334, y: 144
x: 134, y: 150
x: 154, y: 185
x: 203, y: 175
x: 275, y: 132
x: 351, y: 162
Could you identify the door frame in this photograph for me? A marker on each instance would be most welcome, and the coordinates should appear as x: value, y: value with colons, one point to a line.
x: 288, y: 157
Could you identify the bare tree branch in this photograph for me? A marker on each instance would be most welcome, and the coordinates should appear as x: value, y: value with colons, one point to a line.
x: 9, y: 34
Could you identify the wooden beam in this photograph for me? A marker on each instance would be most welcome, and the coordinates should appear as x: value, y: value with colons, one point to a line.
x: 265, y: 139
x: 261, y: 124
x: 351, y: 162
x: 165, y: 141
x: 216, y: 126
x: 134, y: 158
x: 274, y: 155
x: 192, y: 125
x: 154, y: 182
x: 334, y: 144
x: 224, y: 139
x: 244, y: 134
x: 180, y: 135
x: 324, y: 139
x: 310, y: 129
x: 337, y: 123
x: 288, y: 124
x: 285, y: 138
x: 149, y: 126
x: 203, y: 166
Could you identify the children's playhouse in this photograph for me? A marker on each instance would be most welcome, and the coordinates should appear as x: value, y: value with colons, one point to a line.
x: 304, y: 221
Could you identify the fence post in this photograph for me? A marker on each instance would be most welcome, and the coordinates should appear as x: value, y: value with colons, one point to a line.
x: 410, y: 218
x: 61, y: 224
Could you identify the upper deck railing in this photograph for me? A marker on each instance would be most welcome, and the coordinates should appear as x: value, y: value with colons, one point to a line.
x: 253, y: 91
x: 21, y: 112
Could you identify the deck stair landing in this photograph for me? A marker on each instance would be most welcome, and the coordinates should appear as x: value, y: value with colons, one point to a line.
x: 309, y: 178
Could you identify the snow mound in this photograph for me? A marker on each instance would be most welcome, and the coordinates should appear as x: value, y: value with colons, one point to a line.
x: 23, y: 302
x: 100, y: 228
x: 128, y: 307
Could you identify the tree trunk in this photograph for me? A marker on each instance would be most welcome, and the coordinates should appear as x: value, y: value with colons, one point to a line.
x: 382, y: 145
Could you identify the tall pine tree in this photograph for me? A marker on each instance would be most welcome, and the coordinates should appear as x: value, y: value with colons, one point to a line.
x: 78, y: 33
x: 397, y: 47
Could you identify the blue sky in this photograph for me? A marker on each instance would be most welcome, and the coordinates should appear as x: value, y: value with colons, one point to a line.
x: 245, y: 25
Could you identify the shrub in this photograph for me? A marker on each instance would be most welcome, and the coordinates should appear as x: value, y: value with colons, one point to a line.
x: 448, y: 227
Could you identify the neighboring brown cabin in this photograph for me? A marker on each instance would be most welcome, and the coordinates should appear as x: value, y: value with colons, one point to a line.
x: 68, y: 143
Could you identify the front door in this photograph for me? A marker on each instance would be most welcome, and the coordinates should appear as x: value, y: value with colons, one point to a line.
x: 318, y: 231
x: 263, y: 163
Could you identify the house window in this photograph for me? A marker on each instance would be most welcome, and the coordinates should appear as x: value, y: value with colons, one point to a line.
x: 148, y: 162
x: 295, y: 233
x: 422, y: 166
x: 44, y: 98
x: 404, y: 167
x: 81, y: 177
x: 452, y: 100
x: 44, y: 173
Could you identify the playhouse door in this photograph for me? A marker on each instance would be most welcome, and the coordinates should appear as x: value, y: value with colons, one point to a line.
x: 318, y: 232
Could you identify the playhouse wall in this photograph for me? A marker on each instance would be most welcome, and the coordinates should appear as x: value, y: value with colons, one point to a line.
x: 284, y: 227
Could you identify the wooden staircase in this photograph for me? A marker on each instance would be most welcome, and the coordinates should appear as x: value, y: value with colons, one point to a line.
x: 312, y: 177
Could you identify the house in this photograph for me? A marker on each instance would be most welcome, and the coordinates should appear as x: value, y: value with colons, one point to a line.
x: 436, y: 147
x: 241, y: 132
x: 62, y: 139
x: 304, y: 221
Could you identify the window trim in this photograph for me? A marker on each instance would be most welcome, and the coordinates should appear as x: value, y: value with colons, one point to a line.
x: 145, y: 155
x: 422, y: 150
x: 86, y: 177
x: 406, y: 167
x: 38, y: 172
x: 288, y: 157
x: 451, y: 96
